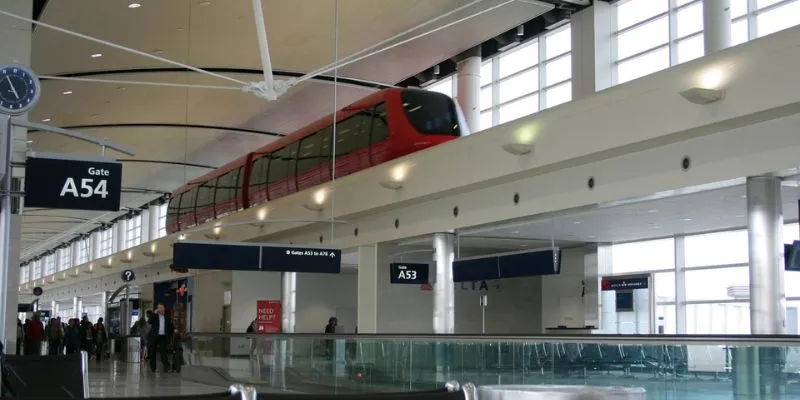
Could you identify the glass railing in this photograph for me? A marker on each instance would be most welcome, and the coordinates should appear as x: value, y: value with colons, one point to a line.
x: 665, y: 367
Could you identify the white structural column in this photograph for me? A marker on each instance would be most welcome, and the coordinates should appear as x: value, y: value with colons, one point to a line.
x: 288, y: 301
x: 146, y: 224
x: 367, y: 311
x: 444, y: 289
x: 120, y: 234
x: 153, y: 222
x: 680, y: 285
x: 15, y: 47
x: 94, y: 246
x: 75, y: 252
x: 469, y: 87
x: 716, y: 25
x: 592, y: 49
x: 75, y: 311
x: 765, y: 238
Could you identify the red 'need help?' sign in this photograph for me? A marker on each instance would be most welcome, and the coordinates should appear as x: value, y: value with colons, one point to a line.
x: 268, y: 316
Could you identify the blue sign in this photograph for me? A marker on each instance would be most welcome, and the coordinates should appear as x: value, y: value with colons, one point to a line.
x: 630, y: 283
x: 509, y: 265
x: 791, y: 256
x: 408, y: 273
x: 256, y: 257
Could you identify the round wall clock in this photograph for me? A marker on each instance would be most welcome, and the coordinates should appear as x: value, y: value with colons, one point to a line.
x: 19, y: 89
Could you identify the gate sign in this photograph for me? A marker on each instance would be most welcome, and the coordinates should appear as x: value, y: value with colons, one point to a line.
x: 73, y: 184
x: 409, y: 273
x: 268, y: 316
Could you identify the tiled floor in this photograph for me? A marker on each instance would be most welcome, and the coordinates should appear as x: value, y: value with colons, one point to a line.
x: 120, y: 379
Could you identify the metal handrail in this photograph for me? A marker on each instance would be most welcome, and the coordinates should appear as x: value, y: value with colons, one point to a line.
x: 698, y: 340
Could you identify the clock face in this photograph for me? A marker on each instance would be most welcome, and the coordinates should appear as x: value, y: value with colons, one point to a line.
x: 19, y: 89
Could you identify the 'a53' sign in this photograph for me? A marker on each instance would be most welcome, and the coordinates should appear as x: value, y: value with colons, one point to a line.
x: 53, y: 182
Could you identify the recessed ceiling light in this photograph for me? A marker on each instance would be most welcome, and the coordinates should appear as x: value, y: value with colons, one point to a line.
x: 180, y: 29
x: 739, y: 216
x: 686, y: 219
x: 121, y: 88
x: 577, y: 222
x: 157, y: 51
x: 204, y: 3
x: 652, y: 211
x: 514, y: 232
x: 46, y: 120
x: 134, y: 5
x: 744, y: 196
x: 96, y: 55
x: 67, y: 92
x: 29, y: 141
x: 523, y: 245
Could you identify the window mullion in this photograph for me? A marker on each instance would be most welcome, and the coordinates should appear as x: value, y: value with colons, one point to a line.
x: 495, y: 91
x: 673, y: 32
x: 752, y: 21
x: 542, y: 73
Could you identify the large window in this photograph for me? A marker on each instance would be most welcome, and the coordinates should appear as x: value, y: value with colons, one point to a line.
x: 84, y: 248
x: 522, y: 80
x: 49, y: 265
x: 162, y: 220
x: 651, y: 255
x: 133, y: 231
x: 106, y: 242
x: 24, y: 274
x: 65, y: 258
x: 652, y: 35
x: 36, y: 269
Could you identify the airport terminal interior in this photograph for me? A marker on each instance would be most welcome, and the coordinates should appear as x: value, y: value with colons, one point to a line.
x: 461, y: 199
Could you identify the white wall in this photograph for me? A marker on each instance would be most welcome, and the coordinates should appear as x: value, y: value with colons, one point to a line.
x: 246, y: 289
x: 321, y: 296
x: 514, y: 306
x: 208, y: 300
x: 562, y: 303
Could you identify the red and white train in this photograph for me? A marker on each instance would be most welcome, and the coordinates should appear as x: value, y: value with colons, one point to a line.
x: 381, y: 127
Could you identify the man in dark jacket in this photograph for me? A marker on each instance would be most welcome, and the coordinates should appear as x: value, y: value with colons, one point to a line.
x: 161, y: 333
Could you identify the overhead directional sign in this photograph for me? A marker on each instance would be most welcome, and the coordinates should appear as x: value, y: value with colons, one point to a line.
x: 508, y: 265
x: 256, y: 257
x: 408, y: 273
x: 624, y: 283
x: 55, y: 182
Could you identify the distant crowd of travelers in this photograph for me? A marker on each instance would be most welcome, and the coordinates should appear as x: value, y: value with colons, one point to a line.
x: 62, y: 338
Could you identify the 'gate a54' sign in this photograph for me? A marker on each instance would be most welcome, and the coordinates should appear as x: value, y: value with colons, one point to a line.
x: 52, y: 182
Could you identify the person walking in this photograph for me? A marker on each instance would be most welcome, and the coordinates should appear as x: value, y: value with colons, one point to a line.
x: 162, y: 331
x: 55, y: 335
x: 34, y: 334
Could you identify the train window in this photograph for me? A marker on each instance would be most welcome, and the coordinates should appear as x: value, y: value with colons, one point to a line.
x: 172, y: 208
x: 430, y: 113
x: 205, y: 194
x: 279, y: 165
x: 380, y: 128
x: 352, y: 134
x: 258, y: 174
x: 187, y: 202
x: 291, y: 167
x: 227, y: 186
x: 309, y: 156
x: 325, y: 146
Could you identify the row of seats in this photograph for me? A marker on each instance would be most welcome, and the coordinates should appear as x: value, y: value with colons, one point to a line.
x: 65, y: 377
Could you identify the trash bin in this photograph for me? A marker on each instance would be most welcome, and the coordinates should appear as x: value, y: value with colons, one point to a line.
x: 134, y: 344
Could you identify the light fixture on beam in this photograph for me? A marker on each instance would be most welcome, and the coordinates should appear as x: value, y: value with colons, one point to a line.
x: 317, y: 201
x: 127, y: 259
x: 215, y: 233
x: 152, y: 252
x: 90, y: 270
x: 396, y: 178
x: 518, y: 149
x: 260, y: 223
x: 702, y: 96
x: 109, y: 263
x: 63, y: 276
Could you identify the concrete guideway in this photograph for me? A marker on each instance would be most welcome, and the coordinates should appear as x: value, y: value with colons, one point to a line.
x: 631, y: 139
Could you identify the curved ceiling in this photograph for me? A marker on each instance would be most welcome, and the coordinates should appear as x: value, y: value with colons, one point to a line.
x: 179, y: 133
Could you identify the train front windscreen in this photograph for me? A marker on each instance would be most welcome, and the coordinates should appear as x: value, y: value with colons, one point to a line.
x: 431, y: 113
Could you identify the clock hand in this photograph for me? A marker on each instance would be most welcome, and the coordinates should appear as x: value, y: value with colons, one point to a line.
x: 13, y: 89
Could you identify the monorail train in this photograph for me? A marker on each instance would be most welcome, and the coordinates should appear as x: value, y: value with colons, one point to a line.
x: 381, y: 127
